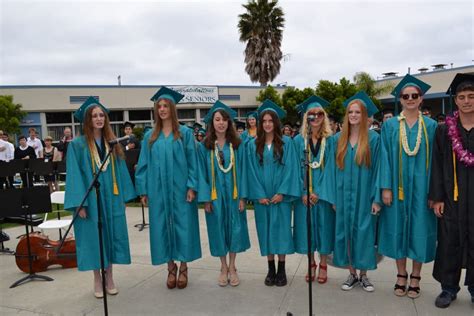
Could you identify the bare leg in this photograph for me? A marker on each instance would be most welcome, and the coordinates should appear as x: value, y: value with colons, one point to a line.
x: 416, y: 271
x: 323, y: 263
x: 234, y: 278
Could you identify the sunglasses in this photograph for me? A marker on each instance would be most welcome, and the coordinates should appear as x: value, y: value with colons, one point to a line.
x: 414, y: 96
x: 221, y: 157
x: 315, y: 116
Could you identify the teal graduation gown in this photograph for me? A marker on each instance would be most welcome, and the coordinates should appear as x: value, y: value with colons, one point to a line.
x: 322, y: 214
x: 114, y: 223
x: 273, y: 221
x: 226, y: 225
x: 165, y: 172
x: 353, y: 190
x: 246, y: 138
x: 407, y: 229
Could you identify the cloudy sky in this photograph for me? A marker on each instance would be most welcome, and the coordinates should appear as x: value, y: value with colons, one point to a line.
x: 197, y: 42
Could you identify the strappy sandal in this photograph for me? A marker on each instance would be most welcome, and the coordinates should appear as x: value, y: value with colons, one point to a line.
x: 223, y: 278
x: 414, y: 291
x: 322, y: 280
x: 171, y: 281
x: 234, y: 278
x: 183, y: 283
x: 398, y: 289
x: 313, y: 275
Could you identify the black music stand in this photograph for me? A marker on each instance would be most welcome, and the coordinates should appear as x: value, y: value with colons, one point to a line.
x: 26, y: 201
x: 131, y: 159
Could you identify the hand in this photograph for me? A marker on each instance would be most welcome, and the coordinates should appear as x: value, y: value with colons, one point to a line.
x: 304, y: 198
x: 131, y: 145
x: 387, y: 196
x: 144, y: 200
x: 277, y: 198
x: 208, y: 207
x: 264, y: 201
x: 375, y: 208
x: 82, y: 213
x: 242, y: 205
x: 438, y: 209
x: 430, y: 203
x: 313, y: 198
x: 334, y: 207
x: 26, y: 158
x: 190, y: 195
x: 3, y: 148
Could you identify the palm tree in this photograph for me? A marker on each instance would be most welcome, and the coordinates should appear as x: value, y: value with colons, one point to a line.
x: 262, y: 28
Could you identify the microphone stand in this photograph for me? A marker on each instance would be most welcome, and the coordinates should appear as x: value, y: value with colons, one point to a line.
x: 94, y: 184
x: 308, y: 217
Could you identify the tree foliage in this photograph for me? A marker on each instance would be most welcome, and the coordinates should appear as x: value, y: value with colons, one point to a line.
x: 261, y: 27
x: 10, y: 114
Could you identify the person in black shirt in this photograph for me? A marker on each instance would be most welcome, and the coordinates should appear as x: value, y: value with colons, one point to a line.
x: 25, y: 152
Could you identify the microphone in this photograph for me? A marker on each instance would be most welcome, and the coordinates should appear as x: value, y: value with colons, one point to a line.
x: 311, y: 118
x: 119, y: 140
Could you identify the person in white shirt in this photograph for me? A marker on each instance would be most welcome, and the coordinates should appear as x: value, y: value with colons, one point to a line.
x: 7, y: 151
x: 35, y: 142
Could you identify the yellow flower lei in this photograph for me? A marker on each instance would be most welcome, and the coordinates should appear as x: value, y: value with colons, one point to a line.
x: 95, y: 161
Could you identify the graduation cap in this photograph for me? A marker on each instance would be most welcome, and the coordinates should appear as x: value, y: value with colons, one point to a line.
x: 408, y: 81
x: 269, y: 105
x: 458, y: 79
x: 196, y: 125
x: 218, y: 105
x: 128, y: 124
x: 239, y: 124
x: 201, y: 131
x: 80, y: 113
x: 366, y: 101
x: 253, y: 114
x: 310, y: 103
x: 167, y: 93
x: 146, y: 129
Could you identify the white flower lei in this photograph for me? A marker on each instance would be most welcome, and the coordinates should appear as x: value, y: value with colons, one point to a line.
x: 403, y: 134
x: 316, y: 164
x: 216, y: 153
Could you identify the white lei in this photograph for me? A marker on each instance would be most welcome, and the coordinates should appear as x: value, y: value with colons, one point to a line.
x: 316, y: 164
x: 216, y: 153
x: 96, y: 157
x: 403, y: 134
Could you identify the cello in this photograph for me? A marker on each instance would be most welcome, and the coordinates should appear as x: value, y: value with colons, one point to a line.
x: 43, y: 253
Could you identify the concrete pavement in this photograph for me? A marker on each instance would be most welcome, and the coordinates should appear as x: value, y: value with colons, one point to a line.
x: 143, y: 290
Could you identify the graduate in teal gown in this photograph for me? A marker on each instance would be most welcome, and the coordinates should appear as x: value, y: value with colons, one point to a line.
x: 407, y: 227
x: 167, y: 180
x: 322, y: 214
x: 84, y: 157
x: 221, y: 158
x: 251, y: 127
x: 349, y: 184
x: 272, y: 171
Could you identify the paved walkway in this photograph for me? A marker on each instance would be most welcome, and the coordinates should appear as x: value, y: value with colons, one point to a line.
x: 143, y: 290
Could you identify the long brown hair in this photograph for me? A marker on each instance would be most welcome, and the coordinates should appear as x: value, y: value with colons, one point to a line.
x: 363, y: 151
x: 277, y: 137
x: 159, y: 122
x: 107, y: 133
x: 230, y: 133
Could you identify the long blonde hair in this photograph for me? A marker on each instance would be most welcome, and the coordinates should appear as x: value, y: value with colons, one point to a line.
x: 363, y: 151
x: 159, y: 122
x: 325, y: 129
x: 107, y: 133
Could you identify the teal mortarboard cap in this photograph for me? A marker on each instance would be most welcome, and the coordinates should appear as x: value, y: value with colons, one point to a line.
x: 269, y: 105
x: 201, y: 131
x: 310, y: 103
x: 365, y: 99
x: 218, y: 105
x: 239, y: 124
x: 253, y: 114
x: 410, y: 81
x: 147, y: 128
x: 81, y: 111
x: 167, y: 93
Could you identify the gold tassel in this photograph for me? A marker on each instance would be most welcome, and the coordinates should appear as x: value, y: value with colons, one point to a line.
x: 114, y: 179
x: 427, y: 145
x: 213, y: 180
x: 456, y: 192
x: 234, y: 174
x: 401, y: 195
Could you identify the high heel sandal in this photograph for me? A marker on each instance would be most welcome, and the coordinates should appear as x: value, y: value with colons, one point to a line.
x: 234, y: 278
x: 223, y: 278
x: 171, y: 282
x: 182, y: 283
x: 398, y: 289
x: 414, y: 291
x: 322, y: 280
x: 313, y: 275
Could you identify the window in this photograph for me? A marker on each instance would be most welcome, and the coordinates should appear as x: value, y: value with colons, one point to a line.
x: 116, y: 116
x: 229, y: 97
x: 58, y: 117
x: 186, y: 114
x: 203, y: 113
x: 139, y: 115
x: 57, y: 132
x: 242, y: 112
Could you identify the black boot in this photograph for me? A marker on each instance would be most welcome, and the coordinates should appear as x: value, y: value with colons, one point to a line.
x: 280, y: 279
x: 270, y: 279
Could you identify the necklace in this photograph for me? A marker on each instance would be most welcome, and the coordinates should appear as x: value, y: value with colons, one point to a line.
x: 316, y: 164
x: 219, y: 164
x: 462, y: 154
x: 403, y: 134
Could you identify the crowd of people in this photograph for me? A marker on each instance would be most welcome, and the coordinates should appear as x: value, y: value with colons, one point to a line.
x: 404, y: 191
